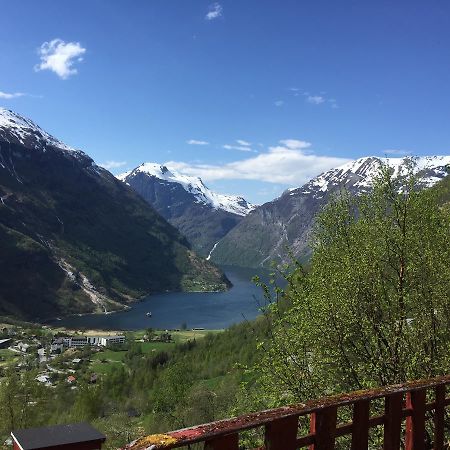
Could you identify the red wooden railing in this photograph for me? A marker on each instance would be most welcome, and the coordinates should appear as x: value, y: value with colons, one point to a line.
x: 401, y: 402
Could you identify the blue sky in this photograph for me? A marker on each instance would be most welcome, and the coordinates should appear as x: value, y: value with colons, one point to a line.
x: 252, y: 95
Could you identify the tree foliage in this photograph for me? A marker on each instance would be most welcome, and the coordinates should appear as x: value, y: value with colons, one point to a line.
x: 373, y: 307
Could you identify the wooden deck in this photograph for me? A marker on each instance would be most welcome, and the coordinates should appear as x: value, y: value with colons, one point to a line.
x: 408, y: 408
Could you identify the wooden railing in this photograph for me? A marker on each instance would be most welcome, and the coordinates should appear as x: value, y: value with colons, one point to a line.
x: 415, y: 403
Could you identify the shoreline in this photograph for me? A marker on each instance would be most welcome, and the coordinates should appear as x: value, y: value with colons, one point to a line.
x: 126, y: 307
x: 171, y: 309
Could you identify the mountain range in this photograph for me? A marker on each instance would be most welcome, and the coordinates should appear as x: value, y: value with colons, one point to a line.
x: 231, y: 231
x: 75, y: 239
x: 200, y: 214
x: 271, y: 231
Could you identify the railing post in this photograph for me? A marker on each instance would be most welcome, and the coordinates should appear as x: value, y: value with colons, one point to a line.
x: 228, y: 442
x: 392, y: 421
x: 415, y: 423
x: 281, y: 434
x: 360, y: 431
x: 323, y: 426
x: 439, y: 418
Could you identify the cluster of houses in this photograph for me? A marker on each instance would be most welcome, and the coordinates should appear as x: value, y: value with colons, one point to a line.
x: 28, y: 344
x: 60, y: 344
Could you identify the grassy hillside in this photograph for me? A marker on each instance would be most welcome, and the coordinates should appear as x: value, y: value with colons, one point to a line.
x: 142, y: 387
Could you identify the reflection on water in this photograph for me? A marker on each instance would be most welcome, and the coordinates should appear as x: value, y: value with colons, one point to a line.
x: 209, y: 310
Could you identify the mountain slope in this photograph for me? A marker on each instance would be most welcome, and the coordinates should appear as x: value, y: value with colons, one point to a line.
x: 75, y: 239
x: 286, y: 222
x: 200, y: 214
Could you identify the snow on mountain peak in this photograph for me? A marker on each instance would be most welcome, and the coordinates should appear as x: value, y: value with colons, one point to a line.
x: 17, y: 129
x: 361, y: 172
x: 193, y: 185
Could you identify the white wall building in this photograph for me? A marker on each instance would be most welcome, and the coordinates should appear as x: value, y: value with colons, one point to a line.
x: 112, y: 340
x: 81, y: 341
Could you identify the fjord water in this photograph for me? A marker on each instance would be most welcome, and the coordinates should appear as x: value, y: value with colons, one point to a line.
x: 209, y: 310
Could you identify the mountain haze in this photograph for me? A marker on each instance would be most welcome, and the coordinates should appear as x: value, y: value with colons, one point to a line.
x: 203, y: 216
x: 75, y: 239
x: 265, y: 235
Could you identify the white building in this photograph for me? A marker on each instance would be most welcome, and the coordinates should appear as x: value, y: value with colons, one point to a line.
x: 23, y: 347
x: 57, y: 346
x: 111, y: 340
x: 75, y: 341
x: 42, y: 355
x: 81, y: 341
x: 45, y: 379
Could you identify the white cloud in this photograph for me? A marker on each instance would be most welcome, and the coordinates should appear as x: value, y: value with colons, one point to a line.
x: 108, y: 165
x: 287, y: 164
x: 279, y: 103
x: 60, y: 57
x: 315, y: 99
x: 295, y: 91
x: 242, y: 142
x: 196, y: 142
x: 295, y: 144
x: 215, y: 11
x: 8, y: 96
x: 241, y: 148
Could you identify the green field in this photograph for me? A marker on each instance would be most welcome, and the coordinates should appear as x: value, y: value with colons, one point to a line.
x: 104, y: 361
x: 104, y: 368
x: 181, y: 336
x: 178, y: 336
x: 109, y: 355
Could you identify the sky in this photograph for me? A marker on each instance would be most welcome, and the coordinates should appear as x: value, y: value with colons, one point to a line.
x: 253, y: 96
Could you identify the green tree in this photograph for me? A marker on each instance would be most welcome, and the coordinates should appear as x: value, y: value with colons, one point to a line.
x: 373, y: 307
x: 21, y: 401
x: 170, y: 397
x: 150, y: 334
x: 88, y: 404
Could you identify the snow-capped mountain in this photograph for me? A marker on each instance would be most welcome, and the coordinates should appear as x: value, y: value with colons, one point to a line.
x: 16, y: 129
x: 75, y: 239
x: 202, y: 215
x: 287, y: 222
x: 193, y: 185
x: 360, y: 174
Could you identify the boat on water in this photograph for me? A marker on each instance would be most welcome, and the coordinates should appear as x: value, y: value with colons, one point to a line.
x: 148, y: 314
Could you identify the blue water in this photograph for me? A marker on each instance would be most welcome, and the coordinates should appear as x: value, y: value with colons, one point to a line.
x: 210, y: 310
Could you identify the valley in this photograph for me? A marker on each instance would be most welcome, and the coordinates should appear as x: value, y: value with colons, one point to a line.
x: 77, y: 240
x: 230, y: 231
x: 224, y: 225
x: 148, y: 297
x: 203, y: 216
x: 74, y: 239
x: 205, y: 310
